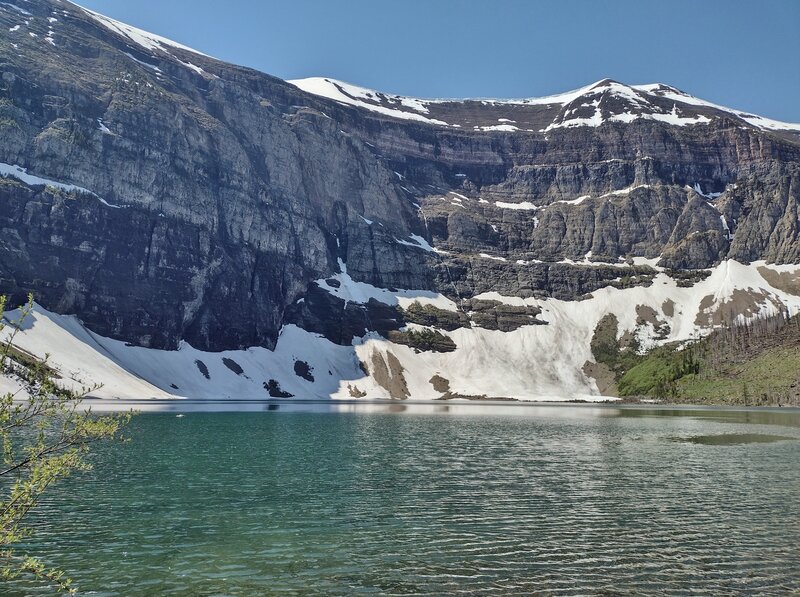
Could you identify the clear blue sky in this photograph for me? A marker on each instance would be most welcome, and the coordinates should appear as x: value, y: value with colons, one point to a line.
x: 741, y: 53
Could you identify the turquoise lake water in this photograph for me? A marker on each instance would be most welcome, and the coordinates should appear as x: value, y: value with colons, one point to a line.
x: 435, y: 501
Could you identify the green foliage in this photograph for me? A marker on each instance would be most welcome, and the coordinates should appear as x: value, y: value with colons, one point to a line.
x: 604, y: 345
x: 757, y: 363
x: 769, y: 377
x: 654, y: 374
x: 658, y: 372
x: 45, y: 436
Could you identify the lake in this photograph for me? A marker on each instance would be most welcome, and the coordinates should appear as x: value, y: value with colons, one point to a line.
x: 434, y: 499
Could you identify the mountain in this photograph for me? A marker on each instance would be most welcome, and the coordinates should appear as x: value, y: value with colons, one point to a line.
x: 336, y: 241
x: 602, y: 102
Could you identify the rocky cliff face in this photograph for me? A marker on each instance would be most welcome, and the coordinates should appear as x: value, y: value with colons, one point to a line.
x: 161, y: 195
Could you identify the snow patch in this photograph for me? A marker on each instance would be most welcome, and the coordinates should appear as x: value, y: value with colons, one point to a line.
x: 674, y: 119
x: 103, y: 128
x: 417, y: 242
x: 20, y: 173
x: 698, y: 189
x: 193, y: 67
x: 626, y: 191
x: 728, y: 234
x: 577, y: 201
x: 150, y: 66
x: 352, y: 291
x: 497, y: 127
x: 31, y: 180
x: 523, y: 205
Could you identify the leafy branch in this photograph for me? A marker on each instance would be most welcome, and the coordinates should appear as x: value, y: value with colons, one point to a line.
x: 45, y: 436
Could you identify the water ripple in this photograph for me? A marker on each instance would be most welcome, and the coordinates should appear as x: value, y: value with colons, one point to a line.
x: 326, y: 504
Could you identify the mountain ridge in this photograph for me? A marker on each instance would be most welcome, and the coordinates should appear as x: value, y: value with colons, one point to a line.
x: 406, y: 107
x: 151, y: 41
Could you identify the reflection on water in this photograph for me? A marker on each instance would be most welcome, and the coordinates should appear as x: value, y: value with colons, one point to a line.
x: 733, y: 439
x: 484, y: 499
x: 755, y: 416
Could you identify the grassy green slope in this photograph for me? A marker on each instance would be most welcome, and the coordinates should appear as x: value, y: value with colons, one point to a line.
x: 754, y: 365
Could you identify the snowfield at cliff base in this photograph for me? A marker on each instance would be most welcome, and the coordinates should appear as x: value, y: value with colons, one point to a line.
x: 534, y: 362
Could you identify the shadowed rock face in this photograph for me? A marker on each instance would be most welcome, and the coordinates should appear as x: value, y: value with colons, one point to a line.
x: 235, y: 190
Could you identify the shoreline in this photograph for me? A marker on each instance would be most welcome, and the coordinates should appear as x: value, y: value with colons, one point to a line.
x: 186, y: 405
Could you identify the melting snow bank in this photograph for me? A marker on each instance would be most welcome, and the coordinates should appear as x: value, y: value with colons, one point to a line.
x: 537, y: 362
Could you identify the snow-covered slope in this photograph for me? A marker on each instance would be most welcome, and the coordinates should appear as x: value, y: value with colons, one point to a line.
x: 535, y: 362
x: 155, y: 45
x: 145, y: 39
x: 375, y: 101
x: 601, y: 102
x: 665, y: 91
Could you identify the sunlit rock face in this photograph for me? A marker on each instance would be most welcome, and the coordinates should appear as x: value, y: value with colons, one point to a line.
x: 161, y: 195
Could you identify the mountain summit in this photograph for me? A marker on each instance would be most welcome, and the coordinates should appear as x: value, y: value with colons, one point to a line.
x: 606, y: 101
